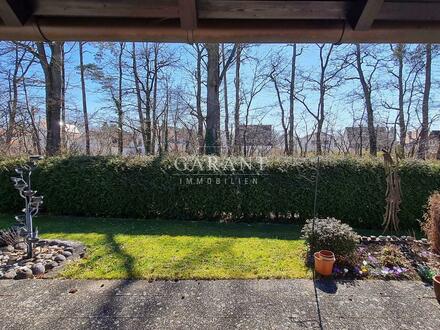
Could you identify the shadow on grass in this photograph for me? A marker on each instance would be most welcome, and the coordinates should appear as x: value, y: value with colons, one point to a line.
x: 73, y: 225
x: 197, y: 259
x: 127, y: 259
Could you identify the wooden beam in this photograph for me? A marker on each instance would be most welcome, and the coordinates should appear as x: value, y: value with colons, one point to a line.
x: 107, y: 8
x: 410, y: 11
x: 15, y: 12
x: 275, y: 9
x: 188, y: 14
x: 364, y: 14
x: 271, y: 31
x: 235, y: 9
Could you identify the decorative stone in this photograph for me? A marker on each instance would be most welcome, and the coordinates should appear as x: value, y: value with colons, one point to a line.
x: 410, y: 238
x: 67, y: 254
x: 60, y: 258
x: 8, y: 248
x: 38, y: 269
x: 424, y: 241
x: 15, y: 265
x: 50, y: 265
x: 10, y: 274
x: 24, y: 273
x: 21, y: 246
x: 12, y: 260
x: 364, y: 239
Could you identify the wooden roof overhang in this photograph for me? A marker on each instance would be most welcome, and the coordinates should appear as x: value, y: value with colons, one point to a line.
x: 222, y: 20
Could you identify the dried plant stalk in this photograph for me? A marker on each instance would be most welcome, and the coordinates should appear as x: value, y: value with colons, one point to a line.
x: 10, y: 236
x: 393, y: 194
x: 431, y: 226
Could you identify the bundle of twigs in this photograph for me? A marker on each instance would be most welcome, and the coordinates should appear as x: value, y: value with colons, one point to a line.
x: 10, y: 236
x: 393, y: 193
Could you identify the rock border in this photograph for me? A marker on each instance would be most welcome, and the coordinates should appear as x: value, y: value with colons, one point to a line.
x: 50, y: 259
x: 391, y: 239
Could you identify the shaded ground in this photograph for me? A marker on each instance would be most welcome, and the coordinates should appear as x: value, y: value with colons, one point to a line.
x: 253, y: 304
x: 167, y: 249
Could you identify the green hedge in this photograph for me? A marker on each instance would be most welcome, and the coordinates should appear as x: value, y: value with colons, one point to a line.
x: 349, y: 189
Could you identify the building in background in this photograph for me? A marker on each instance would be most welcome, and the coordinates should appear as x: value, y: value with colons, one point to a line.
x: 357, y: 139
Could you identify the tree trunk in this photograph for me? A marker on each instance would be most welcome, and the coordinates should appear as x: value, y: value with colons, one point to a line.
x: 292, y: 99
x: 30, y: 111
x: 139, y: 100
x: 154, y: 119
x: 13, y: 102
x: 53, y: 79
x: 147, y: 90
x: 402, y: 125
x: 424, y: 133
x: 119, y: 102
x: 200, y: 119
x: 165, y: 119
x: 63, y: 103
x: 84, y: 97
x: 237, y: 137
x: 368, y: 104
x: 212, y: 139
x: 438, y: 149
x: 320, y: 121
x: 286, y: 132
x: 225, y: 91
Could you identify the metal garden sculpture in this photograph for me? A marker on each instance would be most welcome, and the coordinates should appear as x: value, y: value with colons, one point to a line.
x: 32, y: 203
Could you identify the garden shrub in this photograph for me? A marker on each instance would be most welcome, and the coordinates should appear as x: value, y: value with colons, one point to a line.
x: 330, y: 234
x: 431, y: 226
x: 352, y: 190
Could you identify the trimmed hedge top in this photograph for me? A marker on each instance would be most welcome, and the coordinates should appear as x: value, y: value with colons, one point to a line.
x: 281, y: 189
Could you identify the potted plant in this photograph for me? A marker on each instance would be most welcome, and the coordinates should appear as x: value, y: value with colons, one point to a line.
x: 332, y: 239
x: 324, y: 262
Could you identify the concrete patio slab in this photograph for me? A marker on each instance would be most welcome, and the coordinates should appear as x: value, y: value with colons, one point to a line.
x: 229, y: 304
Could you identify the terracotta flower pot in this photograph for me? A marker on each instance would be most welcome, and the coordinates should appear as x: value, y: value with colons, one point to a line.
x: 324, y: 261
x: 436, y: 281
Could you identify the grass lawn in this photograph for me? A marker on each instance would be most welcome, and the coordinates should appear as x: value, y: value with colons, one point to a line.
x: 168, y: 249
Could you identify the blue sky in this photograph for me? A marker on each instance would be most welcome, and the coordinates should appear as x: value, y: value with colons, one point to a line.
x: 339, y: 103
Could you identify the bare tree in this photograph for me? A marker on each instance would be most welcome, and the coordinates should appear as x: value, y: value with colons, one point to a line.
x: 212, y: 138
x: 237, y: 143
x: 84, y: 96
x: 226, y: 105
x: 139, y: 99
x: 20, y: 54
x: 366, y: 64
x: 52, y: 68
x: 213, y: 132
x: 405, y: 80
x: 292, y: 92
x: 424, y: 131
x: 110, y: 76
x: 329, y: 78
